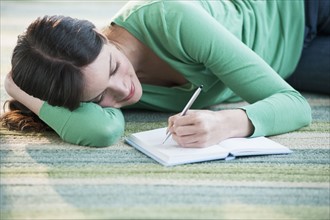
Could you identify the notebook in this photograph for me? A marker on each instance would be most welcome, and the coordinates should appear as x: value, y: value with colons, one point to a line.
x: 170, y: 153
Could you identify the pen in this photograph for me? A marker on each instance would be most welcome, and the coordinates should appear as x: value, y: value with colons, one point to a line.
x: 186, y: 108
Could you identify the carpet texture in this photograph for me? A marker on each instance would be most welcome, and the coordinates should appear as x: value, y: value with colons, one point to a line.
x: 43, y: 177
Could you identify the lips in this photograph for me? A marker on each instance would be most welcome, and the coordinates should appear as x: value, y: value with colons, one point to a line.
x: 130, y: 95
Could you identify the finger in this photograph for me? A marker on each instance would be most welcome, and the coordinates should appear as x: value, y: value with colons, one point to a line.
x: 170, y: 123
x: 183, y: 141
x: 184, y: 125
x: 186, y: 134
x: 189, y: 141
x: 186, y: 120
x: 185, y: 130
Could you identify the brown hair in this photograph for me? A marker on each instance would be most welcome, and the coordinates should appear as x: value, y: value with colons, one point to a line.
x: 47, y: 62
x: 20, y: 118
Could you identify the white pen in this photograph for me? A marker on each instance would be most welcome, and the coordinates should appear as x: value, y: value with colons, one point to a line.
x: 186, y: 108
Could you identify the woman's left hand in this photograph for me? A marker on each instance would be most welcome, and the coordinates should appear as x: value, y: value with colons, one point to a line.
x: 202, y: 128
x: 32, y: 103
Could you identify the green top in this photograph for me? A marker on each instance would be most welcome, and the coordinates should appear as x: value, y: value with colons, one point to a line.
x: 233, y: 48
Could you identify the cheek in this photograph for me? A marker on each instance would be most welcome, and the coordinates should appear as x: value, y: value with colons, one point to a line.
x: 126, y: 65
x: 124, y: 69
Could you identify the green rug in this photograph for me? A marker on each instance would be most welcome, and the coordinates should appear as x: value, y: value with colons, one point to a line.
x: 45, y: 178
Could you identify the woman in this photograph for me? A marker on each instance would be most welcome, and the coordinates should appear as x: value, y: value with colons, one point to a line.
x: 153, y: 56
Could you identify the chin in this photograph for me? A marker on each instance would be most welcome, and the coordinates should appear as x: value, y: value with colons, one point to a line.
x: 134, y: 101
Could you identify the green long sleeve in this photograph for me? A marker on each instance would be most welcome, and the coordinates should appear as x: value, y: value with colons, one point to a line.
x: 234, y: 48
x: 275, y: 106
x: 89, y: 125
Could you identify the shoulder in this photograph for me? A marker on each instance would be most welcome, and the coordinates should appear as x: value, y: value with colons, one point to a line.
x: 156, y: 8
x: 157, y: 19
x: 134, y: 8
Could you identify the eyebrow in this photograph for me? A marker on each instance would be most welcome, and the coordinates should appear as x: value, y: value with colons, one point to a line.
x: 97, y: 98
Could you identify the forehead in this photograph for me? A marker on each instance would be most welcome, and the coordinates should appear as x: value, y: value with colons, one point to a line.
x: 96, y: 74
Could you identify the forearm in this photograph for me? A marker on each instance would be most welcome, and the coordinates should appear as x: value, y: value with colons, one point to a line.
x: 234, y: 123
x: 89, y: 125
x: 280, y: 113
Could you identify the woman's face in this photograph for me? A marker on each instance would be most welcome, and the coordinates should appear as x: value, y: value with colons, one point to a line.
x: 110, y: 80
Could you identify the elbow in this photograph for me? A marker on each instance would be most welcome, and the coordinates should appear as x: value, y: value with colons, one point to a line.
x: 105, y: 137
x: 105, y: 134
x: 97, y: 136
x: 304, y: 112
x: 96, y: 131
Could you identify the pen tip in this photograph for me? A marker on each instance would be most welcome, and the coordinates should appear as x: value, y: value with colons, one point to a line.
x: 201, y: 86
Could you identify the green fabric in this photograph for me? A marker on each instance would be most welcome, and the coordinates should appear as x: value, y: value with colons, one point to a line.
x: 201, y: 40
x: 88, y: 125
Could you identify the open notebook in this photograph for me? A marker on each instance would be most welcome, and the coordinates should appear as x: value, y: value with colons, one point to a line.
x: 169, y: 154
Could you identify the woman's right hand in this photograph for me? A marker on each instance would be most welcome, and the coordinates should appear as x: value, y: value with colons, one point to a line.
x: 32, y: 103
x: 202, y: 128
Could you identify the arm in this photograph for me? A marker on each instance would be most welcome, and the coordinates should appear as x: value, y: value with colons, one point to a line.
x: 275, y: 106
x: 88, y: 125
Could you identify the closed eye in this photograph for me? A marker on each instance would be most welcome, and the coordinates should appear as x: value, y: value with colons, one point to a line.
x: 116, y: 69
x: 99, y: 98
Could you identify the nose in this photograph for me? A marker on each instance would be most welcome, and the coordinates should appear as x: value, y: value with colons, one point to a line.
x: 119, y: 88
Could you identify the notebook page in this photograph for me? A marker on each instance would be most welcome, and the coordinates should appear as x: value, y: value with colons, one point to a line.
x: 253, y: 146
x: 153, y: 141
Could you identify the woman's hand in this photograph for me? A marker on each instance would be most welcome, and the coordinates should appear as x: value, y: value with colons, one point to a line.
x: 32, y: 103
x: 10, y: 86
x: 202, y: 128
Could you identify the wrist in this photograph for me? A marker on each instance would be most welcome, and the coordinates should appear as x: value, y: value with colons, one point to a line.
x: 237, y: 122
x: 32, y: 103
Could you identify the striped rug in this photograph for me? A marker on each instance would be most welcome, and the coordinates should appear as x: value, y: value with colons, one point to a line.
x: 45, y: 178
